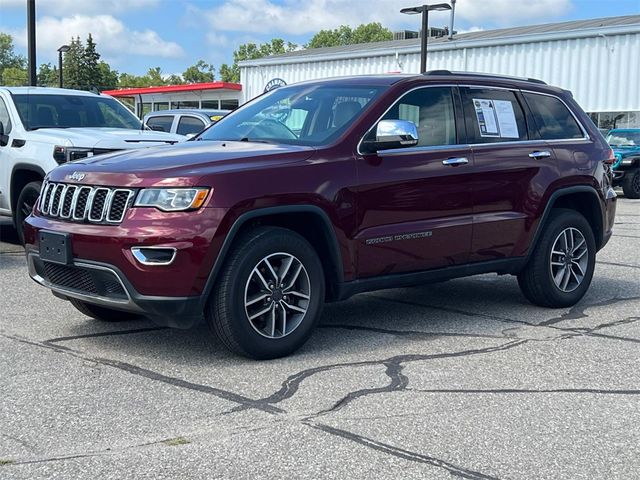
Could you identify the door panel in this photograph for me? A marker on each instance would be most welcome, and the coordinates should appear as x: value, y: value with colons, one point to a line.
x: 510, y: 168
x: 414, y: 213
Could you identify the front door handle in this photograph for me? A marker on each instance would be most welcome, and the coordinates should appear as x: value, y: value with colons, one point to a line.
x: 540, y: 154
x: 453, y: 161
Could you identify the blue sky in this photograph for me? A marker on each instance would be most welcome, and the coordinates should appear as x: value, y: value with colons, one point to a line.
x: 133, y: 35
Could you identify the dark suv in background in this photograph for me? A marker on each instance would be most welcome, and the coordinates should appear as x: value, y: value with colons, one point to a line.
x: 321, y: 190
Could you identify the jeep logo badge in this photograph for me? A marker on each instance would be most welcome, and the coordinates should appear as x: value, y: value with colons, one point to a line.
x: 77, y: 176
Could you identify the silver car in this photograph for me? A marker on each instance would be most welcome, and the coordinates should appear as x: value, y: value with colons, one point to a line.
x: 183, y: 121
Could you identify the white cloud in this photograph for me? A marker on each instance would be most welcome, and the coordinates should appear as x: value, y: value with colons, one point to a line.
x: 113, y: 38
x: 81, y: 7
x: 293, y: 17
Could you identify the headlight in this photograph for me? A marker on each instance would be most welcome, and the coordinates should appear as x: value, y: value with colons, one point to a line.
x: 627, y: 161
x: 172, y: 199
x: 69, y: 154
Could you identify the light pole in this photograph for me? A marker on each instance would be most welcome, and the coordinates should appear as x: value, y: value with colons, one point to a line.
x: 424, y: 10
x: 61, y: 50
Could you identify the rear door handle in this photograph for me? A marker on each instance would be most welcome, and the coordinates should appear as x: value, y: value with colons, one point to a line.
x: 540, y: 154
x: 453, y: 161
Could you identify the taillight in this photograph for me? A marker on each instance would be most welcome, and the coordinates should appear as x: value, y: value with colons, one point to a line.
x: 611, y: 159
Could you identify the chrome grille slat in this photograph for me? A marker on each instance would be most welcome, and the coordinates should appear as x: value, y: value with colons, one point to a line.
x: 84, y: 203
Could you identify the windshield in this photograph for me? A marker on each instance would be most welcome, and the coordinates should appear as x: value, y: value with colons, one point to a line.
x: 71, y: 111
x: 621, y: 138
x: 298, y: 115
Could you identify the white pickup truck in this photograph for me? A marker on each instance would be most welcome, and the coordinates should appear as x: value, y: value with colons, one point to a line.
x: 41, y: 128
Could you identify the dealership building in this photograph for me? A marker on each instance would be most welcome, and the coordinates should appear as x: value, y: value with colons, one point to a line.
x: 598, y: 60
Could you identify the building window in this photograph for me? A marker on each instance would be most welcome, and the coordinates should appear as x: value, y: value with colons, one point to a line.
x: 215, y: 104
x: 229, y: 104
x: 187, y: 104
x: 609, y: 120
x: 160, y: 106
x: 143, y: 109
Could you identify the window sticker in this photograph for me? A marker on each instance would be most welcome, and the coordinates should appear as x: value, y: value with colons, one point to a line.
x: 506, y: 119
x: 496, y: 118
x: 485, y: 114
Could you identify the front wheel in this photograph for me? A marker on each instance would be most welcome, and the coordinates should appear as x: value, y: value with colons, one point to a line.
x: 269, y: 294
x: 26, y: 201
x: 561, y: 267
x: 631, y: 183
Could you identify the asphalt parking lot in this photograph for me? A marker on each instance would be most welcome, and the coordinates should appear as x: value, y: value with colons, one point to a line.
x: 460, y: 379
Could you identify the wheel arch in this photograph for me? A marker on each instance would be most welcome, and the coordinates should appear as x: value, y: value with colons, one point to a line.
x: 21, y: 174
x: 582, y: 198
x: 310, y: 221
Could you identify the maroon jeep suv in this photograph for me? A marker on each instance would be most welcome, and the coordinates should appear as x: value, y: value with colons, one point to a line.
x: 320, y: 190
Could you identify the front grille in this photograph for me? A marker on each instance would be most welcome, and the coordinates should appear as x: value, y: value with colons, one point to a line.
x: 89, y: 281
x: 83, y: 203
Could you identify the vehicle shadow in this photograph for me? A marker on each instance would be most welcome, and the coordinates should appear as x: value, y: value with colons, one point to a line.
x: 8, y: 233
x: 378, y: 323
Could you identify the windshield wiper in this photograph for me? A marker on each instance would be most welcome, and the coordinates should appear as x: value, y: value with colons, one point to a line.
x: 255, y: 140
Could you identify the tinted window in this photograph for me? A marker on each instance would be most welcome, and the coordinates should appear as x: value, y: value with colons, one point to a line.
x: 493, y: 116
x: 431, y: 109
x: 69, y: 111
x: 160, y: 123
x: 188, y: 125
x: 4, y: 117
x: 552, y: 117
x: 228, y: 104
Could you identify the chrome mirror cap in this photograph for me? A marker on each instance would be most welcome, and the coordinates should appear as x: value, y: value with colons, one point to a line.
x: 401, y: 132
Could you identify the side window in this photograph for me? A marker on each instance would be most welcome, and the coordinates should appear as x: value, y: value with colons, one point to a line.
x: 160, y: 123
x: 4, y: 117
x: 188, y: 125
x: 431, y: 109
x: 552, y: 117
x: 493, y: 115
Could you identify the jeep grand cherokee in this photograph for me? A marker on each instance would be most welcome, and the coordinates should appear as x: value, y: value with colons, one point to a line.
x: 321, y: 190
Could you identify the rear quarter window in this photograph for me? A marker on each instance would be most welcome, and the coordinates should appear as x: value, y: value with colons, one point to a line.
x: 160, y: 123
x: 552, y: 117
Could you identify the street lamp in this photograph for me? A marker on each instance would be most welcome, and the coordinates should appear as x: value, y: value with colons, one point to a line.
x: 61, y: 50
x: 424, y: 10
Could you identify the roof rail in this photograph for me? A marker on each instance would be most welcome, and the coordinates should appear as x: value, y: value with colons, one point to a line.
x: 491, y: 75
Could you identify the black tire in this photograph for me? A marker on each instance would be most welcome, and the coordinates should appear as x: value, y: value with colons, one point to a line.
x: 26, y: 200
x: 536, y: 280
x: 103, y: 314
x: 631, y: 183
x: 226, y: 313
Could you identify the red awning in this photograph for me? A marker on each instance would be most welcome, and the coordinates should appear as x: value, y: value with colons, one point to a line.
x: 129, y: 92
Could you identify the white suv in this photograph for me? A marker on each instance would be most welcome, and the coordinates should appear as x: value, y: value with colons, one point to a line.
x: 41, y: 128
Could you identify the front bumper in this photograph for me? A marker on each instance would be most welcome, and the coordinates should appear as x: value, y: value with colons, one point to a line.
x: 106, y: 285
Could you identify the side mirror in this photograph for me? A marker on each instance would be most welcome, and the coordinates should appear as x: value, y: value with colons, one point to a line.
x: 4, y: 139
x: 392, y: 134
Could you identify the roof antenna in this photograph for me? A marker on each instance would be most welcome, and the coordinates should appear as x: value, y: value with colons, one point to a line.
x: 453, y: 13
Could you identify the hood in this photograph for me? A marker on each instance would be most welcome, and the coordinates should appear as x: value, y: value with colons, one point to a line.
x: 182, y: 164
x: 108, y: 138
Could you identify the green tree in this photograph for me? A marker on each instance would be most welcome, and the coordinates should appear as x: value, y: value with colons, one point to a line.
x: 15, y: 76
x: 345, y: 35
x: 199, y: 73
x: 72, y: 65
x: 90, y: 73
x: 11, y: 61
x: 48, y: 75
x: 108, y: 77
x: 251, y: 51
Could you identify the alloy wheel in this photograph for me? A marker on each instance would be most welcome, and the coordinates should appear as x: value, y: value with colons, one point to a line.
x: 277, y: 295
x: 569, y: 259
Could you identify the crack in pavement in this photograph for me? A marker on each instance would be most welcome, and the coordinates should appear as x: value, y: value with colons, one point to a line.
x: 628, y: 265
x: 453, y: 469
x: 152, y: 375
x: 526, y: 390
x: 291, y: 385
x: 417, y: 334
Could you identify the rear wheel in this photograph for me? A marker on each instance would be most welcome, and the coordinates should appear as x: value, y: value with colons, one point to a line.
x: 269, y: 294
x: 631, y: 183
x: 103, y: 314
x: 561, y: 267
x: 26, y: 201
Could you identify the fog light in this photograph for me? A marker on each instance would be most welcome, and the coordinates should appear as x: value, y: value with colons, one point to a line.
x: 154, y: 255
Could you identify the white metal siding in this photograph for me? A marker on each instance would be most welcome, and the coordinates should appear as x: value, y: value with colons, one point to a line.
x: 603, y: 72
